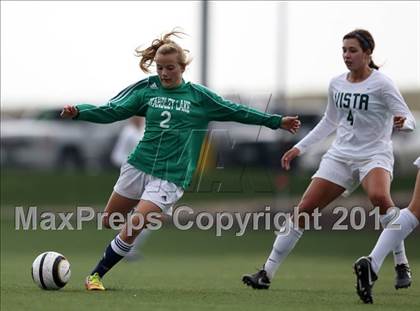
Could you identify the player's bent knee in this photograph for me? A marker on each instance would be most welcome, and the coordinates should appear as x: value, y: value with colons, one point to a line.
x: 380, y: 199
x: 138, y: 220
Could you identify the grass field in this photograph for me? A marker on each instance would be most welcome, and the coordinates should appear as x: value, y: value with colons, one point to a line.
x: 193, y: 270
x: 183, y: 270
x: 46, y: 188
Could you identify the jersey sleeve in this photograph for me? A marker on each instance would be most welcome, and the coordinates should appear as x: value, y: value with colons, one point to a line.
x: 397, y: 105
x: 127, y: 103
x: 323, y: 129
x: 220, y: 109
x: 417, y: 162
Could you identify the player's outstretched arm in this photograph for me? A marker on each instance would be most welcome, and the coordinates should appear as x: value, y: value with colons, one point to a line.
x: 291, y: 124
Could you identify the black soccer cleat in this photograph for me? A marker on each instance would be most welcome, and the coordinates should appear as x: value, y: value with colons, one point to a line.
x: 365, y: 278
x: 403, y: 276
x: 258, y: 280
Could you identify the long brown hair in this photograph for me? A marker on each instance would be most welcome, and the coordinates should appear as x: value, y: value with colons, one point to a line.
x: 365, y: 40
x: 165, y: 45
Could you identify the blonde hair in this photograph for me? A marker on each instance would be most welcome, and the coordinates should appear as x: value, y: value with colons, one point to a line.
x: 165, y: 45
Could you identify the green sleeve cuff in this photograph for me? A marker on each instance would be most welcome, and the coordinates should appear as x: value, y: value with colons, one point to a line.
x: 280, y: 120
x: 78, y: 113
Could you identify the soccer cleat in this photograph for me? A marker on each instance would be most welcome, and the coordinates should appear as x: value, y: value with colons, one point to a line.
x: 365, y: 278
x: 258, y: 280
x: 403, y: 277
x: 94, y: 282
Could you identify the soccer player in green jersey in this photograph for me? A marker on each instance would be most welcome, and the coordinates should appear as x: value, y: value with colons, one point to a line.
x: 161, y: 166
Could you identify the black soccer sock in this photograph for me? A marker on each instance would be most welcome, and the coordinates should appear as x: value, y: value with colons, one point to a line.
x: 115, y: 251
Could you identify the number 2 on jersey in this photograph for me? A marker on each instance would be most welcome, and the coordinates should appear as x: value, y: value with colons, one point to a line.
x: 350, y: 118
x: 167, y: 116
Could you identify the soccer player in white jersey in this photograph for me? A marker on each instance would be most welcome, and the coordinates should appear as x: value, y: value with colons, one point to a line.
x: 363, y: 107
x: 367, y: 268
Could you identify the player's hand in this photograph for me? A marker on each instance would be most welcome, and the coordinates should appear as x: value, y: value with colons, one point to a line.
x: 288, y: 157
x: 69, y: 112
x: 291, y: 124
x: 399, y: 121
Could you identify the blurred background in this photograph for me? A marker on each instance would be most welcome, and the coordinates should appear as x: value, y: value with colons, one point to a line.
x: 57, y: 53
x: 271, y: 55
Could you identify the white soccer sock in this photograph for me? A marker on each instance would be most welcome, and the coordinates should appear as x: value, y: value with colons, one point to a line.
x: 390, y: 238
x: 399, y: 251
x: 120, y: 247
x: 282, y: 246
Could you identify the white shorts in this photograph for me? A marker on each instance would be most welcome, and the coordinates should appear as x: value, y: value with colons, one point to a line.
x: 349, y: 174
x: 137, y: 185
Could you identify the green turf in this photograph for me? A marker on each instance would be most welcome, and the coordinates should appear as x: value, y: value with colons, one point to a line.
x: 184, y: 270
x: 193, y: 270
x: 26, y: 188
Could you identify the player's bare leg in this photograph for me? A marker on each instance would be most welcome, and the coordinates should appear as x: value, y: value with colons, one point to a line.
x: 117, y: 204
x: 319, y: 194
x: 377, y: 185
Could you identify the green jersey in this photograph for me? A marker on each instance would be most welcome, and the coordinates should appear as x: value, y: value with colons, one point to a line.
x: 176, y: 124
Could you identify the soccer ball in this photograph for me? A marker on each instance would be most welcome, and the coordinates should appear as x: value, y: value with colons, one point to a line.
x: 51, y: 270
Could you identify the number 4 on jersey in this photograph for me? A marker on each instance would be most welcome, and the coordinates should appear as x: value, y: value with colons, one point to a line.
x: 350, y: 118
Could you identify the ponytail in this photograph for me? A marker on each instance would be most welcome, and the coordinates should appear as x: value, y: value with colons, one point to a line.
x: 373, y: 65
x: 165, y: 46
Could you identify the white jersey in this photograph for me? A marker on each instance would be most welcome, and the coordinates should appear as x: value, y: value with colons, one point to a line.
x: 362, y: 114
x: 417, y: 162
